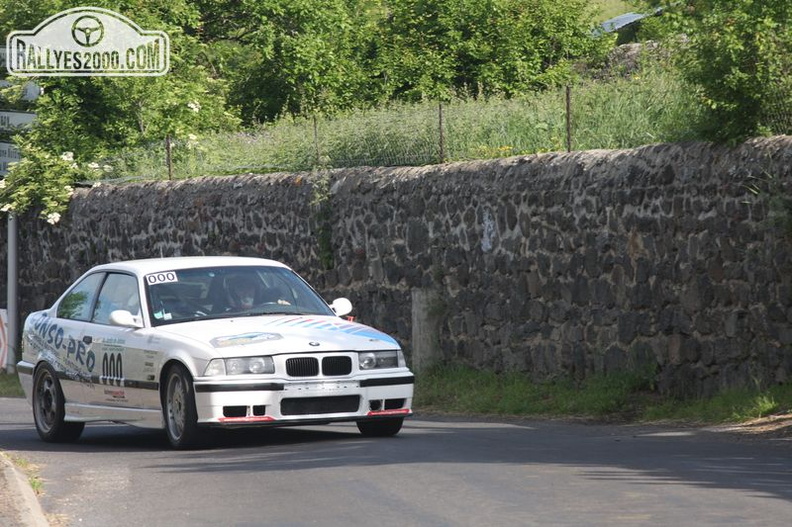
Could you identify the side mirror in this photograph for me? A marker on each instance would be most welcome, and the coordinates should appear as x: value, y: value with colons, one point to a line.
x: 341, y: 306
x: 123, y: 318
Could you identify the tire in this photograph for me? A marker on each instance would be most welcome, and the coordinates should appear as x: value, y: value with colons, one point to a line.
x: 181, y: 418
x: 380, y: 427
x: 48, y: 409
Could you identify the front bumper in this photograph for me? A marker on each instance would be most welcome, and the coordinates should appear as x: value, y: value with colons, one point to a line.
x: 282, y: 402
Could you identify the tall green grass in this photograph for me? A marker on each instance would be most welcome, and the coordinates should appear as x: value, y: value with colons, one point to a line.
x: 608, y: 9
x: 9, y: 385
x: 627, y: 396
x: 464, y: 390
x: 620, y: 112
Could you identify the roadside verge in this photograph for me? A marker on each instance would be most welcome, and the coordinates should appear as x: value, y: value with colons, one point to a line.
x: 19, y: 505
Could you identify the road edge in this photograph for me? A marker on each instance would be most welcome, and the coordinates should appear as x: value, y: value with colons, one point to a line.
x: 26, y: 502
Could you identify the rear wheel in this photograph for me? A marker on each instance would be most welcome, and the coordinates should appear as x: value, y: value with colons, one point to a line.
x: 380, y: 427
x: 181, y: 418
x: 49, y: 411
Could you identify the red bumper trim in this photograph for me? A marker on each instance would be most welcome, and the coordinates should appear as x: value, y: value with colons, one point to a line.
x: 248, y: 419
x: 400, y: 411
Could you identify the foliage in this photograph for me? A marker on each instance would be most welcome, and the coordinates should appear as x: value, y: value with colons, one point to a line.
x: 290, y: 56
x: 624, y: 395
x: 607, y: 9
x: 738, y: 53
x: 9, y: 385
x: 464, y: 390
x: 433, y: 49
x: 41, y: 181
x: 91, y: 116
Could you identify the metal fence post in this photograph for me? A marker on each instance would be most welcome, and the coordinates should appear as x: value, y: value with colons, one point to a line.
x: 316, y: 141
x: 569, y: 118
x: 168, y: 156
x: 442, y: 133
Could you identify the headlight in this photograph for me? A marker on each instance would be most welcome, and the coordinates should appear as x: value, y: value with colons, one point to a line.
x: 370, y: 360
x: 240, y: 366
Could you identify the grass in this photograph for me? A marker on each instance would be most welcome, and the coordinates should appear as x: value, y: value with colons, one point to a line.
x: 731, y: 406
x: 625, y: 396
x: 9, y: 385
x: 617, y: 112
x: 31, y: 471
x: 611, y: 8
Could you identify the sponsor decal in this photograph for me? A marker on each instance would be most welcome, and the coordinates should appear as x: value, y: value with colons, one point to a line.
x: 244, y: 339
x: 350, y: 328
x: 115, y: 395
x: 112, y: 369
x: 52, y: 336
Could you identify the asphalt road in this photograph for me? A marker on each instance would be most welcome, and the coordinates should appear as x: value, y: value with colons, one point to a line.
x: 437, y: 472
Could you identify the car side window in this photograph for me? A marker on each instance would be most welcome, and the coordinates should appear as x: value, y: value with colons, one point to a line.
x: 119, y: 291
x: 76, y: 305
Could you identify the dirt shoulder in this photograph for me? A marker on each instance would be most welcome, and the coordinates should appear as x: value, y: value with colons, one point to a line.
x: 771, y: 427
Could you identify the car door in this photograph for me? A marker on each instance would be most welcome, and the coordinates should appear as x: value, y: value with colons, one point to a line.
x: 71, y: 354
x: 121, y: 356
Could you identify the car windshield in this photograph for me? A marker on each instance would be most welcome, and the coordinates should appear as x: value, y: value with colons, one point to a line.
x: 183, y: 295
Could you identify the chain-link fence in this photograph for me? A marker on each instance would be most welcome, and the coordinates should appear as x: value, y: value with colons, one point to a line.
x: 625, y: 112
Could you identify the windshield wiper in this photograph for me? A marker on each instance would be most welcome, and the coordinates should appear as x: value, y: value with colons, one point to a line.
x: 281, y: 312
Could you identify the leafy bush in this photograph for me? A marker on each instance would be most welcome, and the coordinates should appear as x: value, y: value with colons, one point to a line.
x: 738, y: 53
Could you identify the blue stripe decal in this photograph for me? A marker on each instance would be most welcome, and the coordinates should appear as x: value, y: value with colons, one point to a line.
x: 344, y: 327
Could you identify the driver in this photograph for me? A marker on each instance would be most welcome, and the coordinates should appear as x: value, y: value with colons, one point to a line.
x: 241, y: 292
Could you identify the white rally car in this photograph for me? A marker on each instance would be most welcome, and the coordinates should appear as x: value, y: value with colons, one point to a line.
x: 188, y: 343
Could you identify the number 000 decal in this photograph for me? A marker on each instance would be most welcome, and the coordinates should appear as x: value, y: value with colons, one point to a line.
x: 162, y: 278
x: 112, y: 369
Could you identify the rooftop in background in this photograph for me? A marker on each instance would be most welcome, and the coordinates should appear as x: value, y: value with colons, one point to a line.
x: 627, y: 19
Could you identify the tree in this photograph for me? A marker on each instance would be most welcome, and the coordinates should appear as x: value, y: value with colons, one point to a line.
x: 83, y: 118
x: 438, y: 48
x: 738, y: 55
x: 290, y: 56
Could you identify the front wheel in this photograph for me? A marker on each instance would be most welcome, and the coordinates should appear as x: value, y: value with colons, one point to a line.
x: 49, y: 411
x: 181, y: 418
x: 380, y: 427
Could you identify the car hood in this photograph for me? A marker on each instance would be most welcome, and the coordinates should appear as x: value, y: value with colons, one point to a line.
x: 280, y: 334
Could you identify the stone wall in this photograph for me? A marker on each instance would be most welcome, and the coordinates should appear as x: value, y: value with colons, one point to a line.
x: 554, y: 264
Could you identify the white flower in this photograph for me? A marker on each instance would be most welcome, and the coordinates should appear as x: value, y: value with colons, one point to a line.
x: 7, y: 207
x: 93, y: 166
x: 74, y: 166
x: 67, y: 156
x: 53, y: 218
x: 69, y: 190
x: 107, y: 168
x: 2, y: 184
x: 192, y: 137
x: 194, y: 106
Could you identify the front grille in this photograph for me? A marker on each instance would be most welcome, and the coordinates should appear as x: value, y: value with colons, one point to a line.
x: 302, y: 367
x: 309, y: 366
x: 320, y: 405
x: 336, y: 366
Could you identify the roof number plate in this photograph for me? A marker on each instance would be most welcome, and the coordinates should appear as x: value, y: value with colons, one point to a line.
x: 162, y: 278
